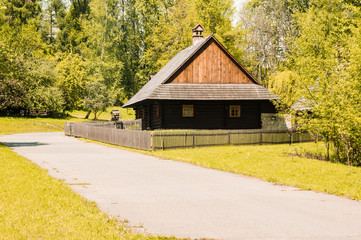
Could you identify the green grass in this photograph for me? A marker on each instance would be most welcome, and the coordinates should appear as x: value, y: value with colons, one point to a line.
x: 11, y: 125
x: 125, y: 114
x: 273, y: 163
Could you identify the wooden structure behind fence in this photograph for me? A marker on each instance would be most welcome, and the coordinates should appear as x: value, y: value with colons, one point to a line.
x: 148, y: 140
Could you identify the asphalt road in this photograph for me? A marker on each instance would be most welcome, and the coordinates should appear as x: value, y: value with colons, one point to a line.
x: 173, y: 198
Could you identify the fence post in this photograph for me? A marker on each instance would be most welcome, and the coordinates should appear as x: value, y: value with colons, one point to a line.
x: 229, y: 137
x: 162, y: 141
x: 193, y: 138
x: 185, y: 140
x: 260, y: 139
x: 151, y: 141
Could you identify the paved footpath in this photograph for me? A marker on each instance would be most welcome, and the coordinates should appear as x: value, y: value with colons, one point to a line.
x: 174, y: 198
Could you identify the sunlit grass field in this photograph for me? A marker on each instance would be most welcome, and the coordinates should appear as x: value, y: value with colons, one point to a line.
x: 125, y: 114
x: 11, y: 125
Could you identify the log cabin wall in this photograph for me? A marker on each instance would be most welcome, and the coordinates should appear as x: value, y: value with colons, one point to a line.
x: 211, y: 115
x: 155, y: 122
x: 211, y: 65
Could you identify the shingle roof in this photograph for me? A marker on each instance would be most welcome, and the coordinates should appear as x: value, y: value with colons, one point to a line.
x: 303, y: 105
x: 183, y: 91
x: 156, y: 88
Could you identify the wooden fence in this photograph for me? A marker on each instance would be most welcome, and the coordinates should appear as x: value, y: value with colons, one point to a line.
x: 164, y: 139
x: 128, y: 138
x: 181, y: 139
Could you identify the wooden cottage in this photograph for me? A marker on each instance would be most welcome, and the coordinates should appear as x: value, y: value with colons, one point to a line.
x: 202, y: 87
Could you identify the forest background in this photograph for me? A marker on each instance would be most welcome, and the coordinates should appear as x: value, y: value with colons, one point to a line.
x: 58, y: 56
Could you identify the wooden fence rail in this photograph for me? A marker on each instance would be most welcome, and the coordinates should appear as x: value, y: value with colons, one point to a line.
x: 181, y: 139
x: 128, y: 138
x: 164, y: 139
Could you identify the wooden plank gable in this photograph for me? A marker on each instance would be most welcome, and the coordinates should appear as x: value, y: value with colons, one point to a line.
x: 211, y: 65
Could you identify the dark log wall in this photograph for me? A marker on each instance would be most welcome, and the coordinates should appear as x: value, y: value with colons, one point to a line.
x: 207, y: 115
x: 156, y: 119
x: 211, y: 65
x: 211, y: 115
x: 268, y: 107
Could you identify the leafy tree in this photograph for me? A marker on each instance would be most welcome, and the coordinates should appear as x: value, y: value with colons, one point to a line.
x: 28, y: 74
x: 269, y: 34
x: 97, y: 98
x: 72, y: 82
x: 13, y: 89
x: 70, y: 35
x: 55, y: 12
x: 326, y: 59
x: 104, y: 35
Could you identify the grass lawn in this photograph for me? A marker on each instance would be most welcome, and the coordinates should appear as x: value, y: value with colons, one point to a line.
x: 273, y: 163
x: 11, y: 125
x: 125, y: 114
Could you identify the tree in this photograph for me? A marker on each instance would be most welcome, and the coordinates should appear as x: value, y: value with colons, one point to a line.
x: 269, y: 34
x: 27, y: 73
x: 97, y: 98
x: 72, y: 82
x: 104, y: 35
x: 55, y: 11
x: 326, y: 57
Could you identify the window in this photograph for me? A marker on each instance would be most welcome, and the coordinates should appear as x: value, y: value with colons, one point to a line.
x: 188, y: 111
x: 235, y: 111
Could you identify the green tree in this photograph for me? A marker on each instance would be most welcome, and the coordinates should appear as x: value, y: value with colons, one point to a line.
x: 70, y: 34
x: 97, y: 98
x: 104, y: 35
x: 269, y: 33
x: 28, y: 73
x: 326, y: 58
x: 73, y: 78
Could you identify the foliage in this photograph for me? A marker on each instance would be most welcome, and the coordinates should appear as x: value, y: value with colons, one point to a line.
x: 325, y: 62
x: 118, y: 43
x: 269, y: 34
x: 283, y: 84
x: 97, y: 98
x: 72, y: 80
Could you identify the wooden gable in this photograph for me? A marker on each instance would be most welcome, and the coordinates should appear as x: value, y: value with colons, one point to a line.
x: 212, y: 65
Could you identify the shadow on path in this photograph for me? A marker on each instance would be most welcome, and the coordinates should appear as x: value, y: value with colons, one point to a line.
x: 23, y: 144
